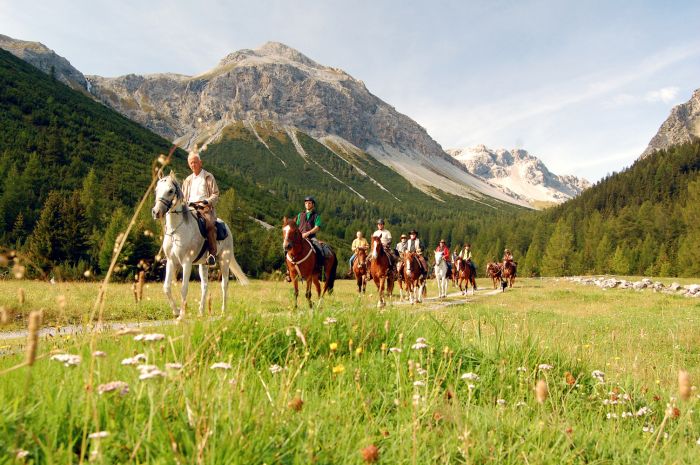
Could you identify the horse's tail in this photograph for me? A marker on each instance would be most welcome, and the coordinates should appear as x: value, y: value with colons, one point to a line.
x: 330, y: 280
x: 237, y: 271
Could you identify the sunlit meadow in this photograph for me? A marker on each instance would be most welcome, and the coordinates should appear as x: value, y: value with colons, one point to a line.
x: 548, y: 372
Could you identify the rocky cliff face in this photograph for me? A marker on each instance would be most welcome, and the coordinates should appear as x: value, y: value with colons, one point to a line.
x: 45, y: 59
x: 279, y: 84
x: 682, y: 126
x: 520, y: 174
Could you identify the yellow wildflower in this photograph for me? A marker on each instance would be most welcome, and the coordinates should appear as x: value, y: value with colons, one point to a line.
x: 338, y: 369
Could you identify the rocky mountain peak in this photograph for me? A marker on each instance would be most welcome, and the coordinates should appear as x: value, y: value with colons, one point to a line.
x: 682, y: 126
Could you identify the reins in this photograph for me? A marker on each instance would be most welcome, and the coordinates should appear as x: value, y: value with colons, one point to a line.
x: 296, y: 263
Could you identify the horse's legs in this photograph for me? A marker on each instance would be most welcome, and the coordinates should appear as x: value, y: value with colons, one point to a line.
x: 317, y: 284
x: 224, y: 284
x: 308, y: 289
x: 295, y: 280
x: 204, y: 282
x: 186, y: 272
x: 167, y: 286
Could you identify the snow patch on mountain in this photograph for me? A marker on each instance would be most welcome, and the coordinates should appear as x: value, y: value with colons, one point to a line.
x: 517, y: 173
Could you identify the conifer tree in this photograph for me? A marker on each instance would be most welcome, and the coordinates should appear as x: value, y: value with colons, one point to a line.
x: 556, y: 256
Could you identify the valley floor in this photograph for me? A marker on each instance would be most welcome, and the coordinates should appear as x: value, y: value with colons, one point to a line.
x: 438, y: 382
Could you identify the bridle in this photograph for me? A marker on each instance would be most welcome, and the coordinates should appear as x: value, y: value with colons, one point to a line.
x: 290, y: 257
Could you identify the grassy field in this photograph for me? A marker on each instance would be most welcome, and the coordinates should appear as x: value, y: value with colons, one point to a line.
x: 353, y: 384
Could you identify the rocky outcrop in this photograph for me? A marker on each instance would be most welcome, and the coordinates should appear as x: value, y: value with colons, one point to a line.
x: 610, y: 282
x: 45, y: 59
x: 519, y: 173
x: 682, y: 126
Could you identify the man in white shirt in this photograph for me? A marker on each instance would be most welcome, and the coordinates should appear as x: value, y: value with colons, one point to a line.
x: 385, y: 238
x: 201, y: 192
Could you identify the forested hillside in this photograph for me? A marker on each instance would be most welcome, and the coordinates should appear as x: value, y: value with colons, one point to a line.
x: 640, y: 221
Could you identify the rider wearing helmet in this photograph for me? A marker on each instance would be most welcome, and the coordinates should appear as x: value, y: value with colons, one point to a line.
x: 442, y: 247
x: 385, y: 238
x: 309, y: 222
x: 414, y: 245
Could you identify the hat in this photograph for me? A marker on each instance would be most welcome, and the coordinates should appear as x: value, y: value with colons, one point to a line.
x: 308, y: 197
x: 442, y: 241
x: 403, y: 236
x: 380, y: 221
x: 413, y: 231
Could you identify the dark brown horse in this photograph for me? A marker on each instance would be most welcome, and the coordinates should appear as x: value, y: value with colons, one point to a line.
x: 380, y: 270
x: 413, y: 278
x: 302, y: 261
x: 359, y: 268
x: 493, y: 271
x: 465, y: 275
x: 509, y: 268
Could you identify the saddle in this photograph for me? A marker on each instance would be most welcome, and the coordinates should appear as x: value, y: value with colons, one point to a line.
x: 221, y: 232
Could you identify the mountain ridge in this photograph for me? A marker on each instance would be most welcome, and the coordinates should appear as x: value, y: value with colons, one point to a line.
x: 682, y: 126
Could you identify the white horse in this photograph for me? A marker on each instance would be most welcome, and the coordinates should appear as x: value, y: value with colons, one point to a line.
x: 441, y: 275
x: 182, y: 242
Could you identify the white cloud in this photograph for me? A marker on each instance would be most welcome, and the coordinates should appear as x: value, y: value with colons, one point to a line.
x: 665, y: 95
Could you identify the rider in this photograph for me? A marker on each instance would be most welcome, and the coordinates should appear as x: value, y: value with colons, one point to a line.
x: 359, y: 243
x: 401, y: 247
x: 414, y: 245
x: 309, y: 222
x: 507, y: 256
x: 466, y: 255
x: 202, y: 193
x: 385, y: 238
x: 442, y: 247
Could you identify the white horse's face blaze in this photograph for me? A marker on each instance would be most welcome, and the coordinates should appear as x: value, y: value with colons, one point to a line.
x: 285, y: 241
x: 374, y: 249
x: 165, y: 190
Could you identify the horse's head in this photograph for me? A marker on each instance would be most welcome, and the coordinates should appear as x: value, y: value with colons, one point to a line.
x: 168, y: 193
x: 290, y: 234
x: 439, y: 256
x: 376, y: 246
x: 408, y: 258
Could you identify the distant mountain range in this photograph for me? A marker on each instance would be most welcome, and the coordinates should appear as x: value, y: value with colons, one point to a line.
x: 276, y: 84
x: 682, y: 126
x: 519, y: 174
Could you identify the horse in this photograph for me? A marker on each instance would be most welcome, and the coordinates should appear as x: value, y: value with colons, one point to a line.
x: 453, y: 276
x: 380, y: 270
x: 441, y: 274
x: 359, y: 269
x: 413, y: 277
x: 494, y: 271
x: 183, y: 243
x: 302, y: 262
x: 465, y: 275
x: 509, y: 270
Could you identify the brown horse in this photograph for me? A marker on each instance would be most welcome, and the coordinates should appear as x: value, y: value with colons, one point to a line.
x: 380, y: 270
x: 359, y: 268
x: 413, y: 277
x: 302, y: 261
x: 509, y: 268
x: 493, y: 271
x: 465, y: 275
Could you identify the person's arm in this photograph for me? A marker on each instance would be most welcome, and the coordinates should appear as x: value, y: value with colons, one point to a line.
x: 213, y: 191
x: 315, y: 229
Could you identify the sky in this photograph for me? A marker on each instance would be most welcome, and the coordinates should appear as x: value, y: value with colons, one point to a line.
x: 582, y: 85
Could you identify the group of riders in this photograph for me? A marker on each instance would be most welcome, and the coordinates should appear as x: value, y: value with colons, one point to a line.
x: 201, y: 192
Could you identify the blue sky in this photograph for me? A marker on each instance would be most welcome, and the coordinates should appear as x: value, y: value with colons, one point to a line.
x: 583, y: 85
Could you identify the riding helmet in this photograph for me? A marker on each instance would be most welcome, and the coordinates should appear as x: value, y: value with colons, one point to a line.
x: 413, y: 231
x: 308, y: 197
x: 380, y: 221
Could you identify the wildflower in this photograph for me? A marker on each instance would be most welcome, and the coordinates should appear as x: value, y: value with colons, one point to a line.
x: 330, y: 321
x: 149, y: 337
x: 541, y: 391
x: 296, y: 404
x: 643, y: 411
x: 220, y: 366
x: 521, y: 369
x: 501, y: 402
x: 99, y: 435
x: 544, y: 366
x: 611, y: 416
x: 370, y: 454
x: 120, y: 386
x: 417, y: 400
x: 274, y: 369
x: 422, y: 340
x: 698, y: 442
x: 420, y: 344
x: 684, y: 386
x: 471, y: 376
x: 338, y: 369
x: 648, y: 429
x: 446, y: 350
x: 599, y: 375
x: 173, y: 366
x: 419, y: 383
x: 333, y: 346
x: 149, y: 371
x: 21, y: 453
x: 421, y: 371
x: 471, y: 387
x: 358, y: 351
x: 67, y: 359
x: 395, y: 350
x: 520, y: 404
x: 383, y: 347
x: 99, y: 353
x: 135, y: 360
x: 570, y: 379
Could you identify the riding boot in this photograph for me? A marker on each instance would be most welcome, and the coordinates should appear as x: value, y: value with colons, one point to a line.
x: 210, y: 221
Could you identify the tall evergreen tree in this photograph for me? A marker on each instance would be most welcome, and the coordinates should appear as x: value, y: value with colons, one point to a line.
x: 557, y: 255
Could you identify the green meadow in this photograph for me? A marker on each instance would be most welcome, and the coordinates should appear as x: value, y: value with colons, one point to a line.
x: 438, y: 382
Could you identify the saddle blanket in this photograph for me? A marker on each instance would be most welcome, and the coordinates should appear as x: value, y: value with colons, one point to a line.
x: 221, y: 232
